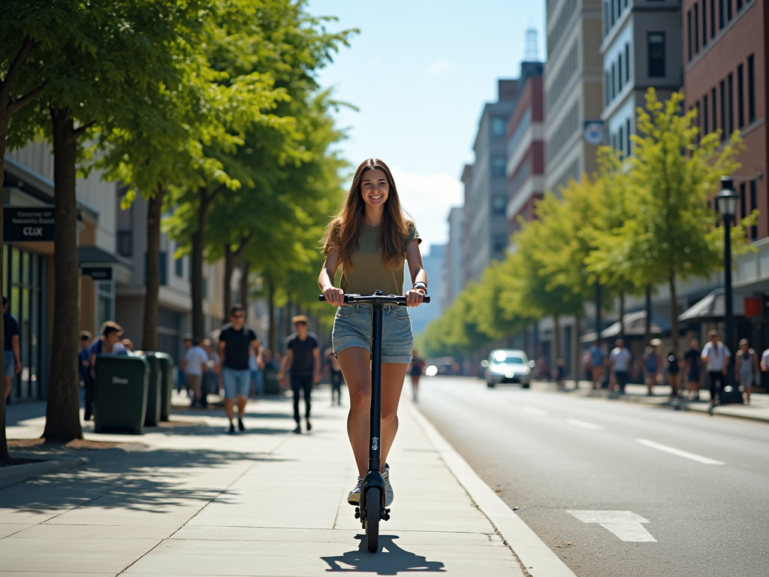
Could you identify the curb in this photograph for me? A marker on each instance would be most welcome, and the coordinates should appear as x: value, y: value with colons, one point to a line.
x: 16, y: 474
x: 537, y: 558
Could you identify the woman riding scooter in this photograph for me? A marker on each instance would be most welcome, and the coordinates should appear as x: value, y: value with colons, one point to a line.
x: 369, y: 239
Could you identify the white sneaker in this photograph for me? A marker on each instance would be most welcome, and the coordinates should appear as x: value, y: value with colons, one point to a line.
x: 389, y: 496
x: 354, y: 497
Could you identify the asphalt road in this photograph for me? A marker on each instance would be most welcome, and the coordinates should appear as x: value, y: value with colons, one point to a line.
x: 616, y: 489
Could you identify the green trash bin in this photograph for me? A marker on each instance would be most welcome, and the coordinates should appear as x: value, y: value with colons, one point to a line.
x: 154, y: 390
x: 120, y: 393
x: 271, y: 385
x: 167, y: 386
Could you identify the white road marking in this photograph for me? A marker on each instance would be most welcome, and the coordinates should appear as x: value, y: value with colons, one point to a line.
x: 534, y: 411
x: 624, y: 524
x: 584, y: 425
x: 679, y: 452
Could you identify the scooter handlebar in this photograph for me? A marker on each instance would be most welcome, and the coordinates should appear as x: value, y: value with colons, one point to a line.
x: 368, y: 299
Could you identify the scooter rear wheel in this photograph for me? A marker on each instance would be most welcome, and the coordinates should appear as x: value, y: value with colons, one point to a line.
x: 373, y: 515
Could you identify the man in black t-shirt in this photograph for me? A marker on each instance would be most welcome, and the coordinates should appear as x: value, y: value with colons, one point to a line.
x: 303, y: 358
x: 235, y: 342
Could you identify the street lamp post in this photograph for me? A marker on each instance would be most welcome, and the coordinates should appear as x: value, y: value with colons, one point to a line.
x: 727, y: 208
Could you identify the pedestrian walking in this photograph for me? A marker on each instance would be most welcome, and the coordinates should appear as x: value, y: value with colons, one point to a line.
x: 716, y: 356
x: 210, y: 378
x: 416, y: 370
x: 335, y: 376
x: 84, y: 368
x: 746, y: 369
x: 620, y: 361
x: 235, y: 343
x: 194, y: 364
x: 693, y: 362
x: 674, y: 372
x: 303, y: 360
x: 597, y: 363
x: 560, y: 373
x: 181, y: 382
x: 652, y: 366
x: 11, y: 354
x: 370, y: 239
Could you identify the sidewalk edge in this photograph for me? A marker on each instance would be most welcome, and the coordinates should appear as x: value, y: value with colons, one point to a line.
x: 536, y: 557
x: 16, y: 474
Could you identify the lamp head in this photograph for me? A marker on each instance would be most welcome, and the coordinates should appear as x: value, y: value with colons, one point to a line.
x: 726, y: 200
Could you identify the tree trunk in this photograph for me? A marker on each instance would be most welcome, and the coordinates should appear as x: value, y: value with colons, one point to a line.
x: 244, y: 285
x: 4, y: 456
x: 648, y: 322
x: 673, y: 312
x: 272, y: 330
x: 287, y: 317
x: 62, y: 423
x: 577, y: 352
x: 198, y: 248
x: 229, y: 266
x: 622, y: 314
x: 152, y: 296
x: 556, y: 352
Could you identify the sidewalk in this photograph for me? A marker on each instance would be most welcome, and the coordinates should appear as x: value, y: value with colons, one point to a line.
x: 188, y: 499
x: 758, y: 410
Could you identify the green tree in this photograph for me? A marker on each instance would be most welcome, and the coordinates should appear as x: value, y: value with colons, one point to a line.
x: 672, y: 235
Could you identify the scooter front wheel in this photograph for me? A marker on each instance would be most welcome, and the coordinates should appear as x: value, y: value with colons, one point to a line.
x: 373, y: 515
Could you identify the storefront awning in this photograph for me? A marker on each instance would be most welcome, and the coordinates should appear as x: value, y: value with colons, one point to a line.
x: 635, y: 326
x: 712, y: 307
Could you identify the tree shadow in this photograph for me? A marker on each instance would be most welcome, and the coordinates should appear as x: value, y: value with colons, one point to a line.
x: 390, y: 560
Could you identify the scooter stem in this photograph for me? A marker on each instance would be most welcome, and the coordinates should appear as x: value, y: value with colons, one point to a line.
x: 376, y: 388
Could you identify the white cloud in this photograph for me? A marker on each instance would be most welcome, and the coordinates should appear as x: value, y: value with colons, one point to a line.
x: 438, y: 67
x: 428, y: 198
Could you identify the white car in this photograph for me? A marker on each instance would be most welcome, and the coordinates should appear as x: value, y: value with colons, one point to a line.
x: 508, y: 366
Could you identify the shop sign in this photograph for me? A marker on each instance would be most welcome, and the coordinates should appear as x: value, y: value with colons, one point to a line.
x: 98, y: 272
x: 27, y: 224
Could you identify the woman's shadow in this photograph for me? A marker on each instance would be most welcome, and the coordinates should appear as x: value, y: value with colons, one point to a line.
x: 390, y: 560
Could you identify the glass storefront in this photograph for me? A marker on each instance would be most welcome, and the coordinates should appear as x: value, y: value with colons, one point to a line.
x: 23, y: 285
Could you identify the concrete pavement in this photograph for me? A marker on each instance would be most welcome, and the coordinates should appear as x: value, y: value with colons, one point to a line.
x: 188, y: 499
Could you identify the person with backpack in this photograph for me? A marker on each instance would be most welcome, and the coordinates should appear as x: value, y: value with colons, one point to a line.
x: 717, y: 356
x: 652, y: 364
x: 746, y: 368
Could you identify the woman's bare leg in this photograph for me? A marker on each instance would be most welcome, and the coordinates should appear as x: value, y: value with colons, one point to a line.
x: 356, y: 368
x: 393, y: 377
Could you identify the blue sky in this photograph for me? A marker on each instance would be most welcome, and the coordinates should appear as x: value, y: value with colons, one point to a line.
x: 419, y: 73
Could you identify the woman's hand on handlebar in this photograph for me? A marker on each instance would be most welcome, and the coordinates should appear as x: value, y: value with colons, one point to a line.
x: 334, y: 296
x: 414, y: 297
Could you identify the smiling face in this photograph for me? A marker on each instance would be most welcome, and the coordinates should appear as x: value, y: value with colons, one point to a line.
x: 374, y: 188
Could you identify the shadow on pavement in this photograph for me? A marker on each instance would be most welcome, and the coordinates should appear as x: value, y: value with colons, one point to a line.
x: 390, y: 560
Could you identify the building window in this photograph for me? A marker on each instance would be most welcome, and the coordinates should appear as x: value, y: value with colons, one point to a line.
x: 627, y: 62
x: 704, y: 23
x: 699, y: 120
x: 498, y: 166
x: 705, y: 115
x: 621, y: 140
x: 696, y: 28
x: 712, y: 18
x: 740, y: 97
x: 627, y: 135
x: 743, y: 201
x: 751, y: 90
x: 656, y: 48
x: 739, y: 5
x: 730, y: 105
x: 613, y: 81
x: 498, y: 126
x: 723, y: 110
x: 607, y: 87
x: 619, y: 72
x: 606, y: 24
x: 728, y: 10
x: 715, y: 109
x: 689, y: 33
x: 753, y: 206
x: 124, y: 226
x: 498, y: 204
x: 179, y: 266
x: 500, y: 243
x: 721, y: 20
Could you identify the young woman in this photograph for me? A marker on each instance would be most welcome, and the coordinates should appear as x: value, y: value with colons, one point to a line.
x: 746, y: 368
x: 417, y: 367
x: 370, y: 239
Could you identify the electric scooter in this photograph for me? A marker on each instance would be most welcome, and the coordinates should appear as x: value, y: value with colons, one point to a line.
x: 372, y: 493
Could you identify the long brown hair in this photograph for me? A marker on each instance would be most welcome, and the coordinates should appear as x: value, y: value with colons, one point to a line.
x: 343, y: 231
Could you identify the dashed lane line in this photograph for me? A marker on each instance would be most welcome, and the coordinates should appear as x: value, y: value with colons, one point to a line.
x: 584, y: 425
x: 534, y: 411
x: 679, y: 452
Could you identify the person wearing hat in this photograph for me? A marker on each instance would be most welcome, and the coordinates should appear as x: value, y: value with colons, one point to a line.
x: 652, y: 364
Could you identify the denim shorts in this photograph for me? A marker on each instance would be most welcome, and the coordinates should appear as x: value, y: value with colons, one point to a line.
x: 353, y: 328
x: 10, y: 363
x: 236, y: 383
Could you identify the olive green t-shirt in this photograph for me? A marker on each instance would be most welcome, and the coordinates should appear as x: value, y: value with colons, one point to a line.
x: 369, y: 274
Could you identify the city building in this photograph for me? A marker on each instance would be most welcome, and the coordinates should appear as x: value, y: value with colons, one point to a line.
x: 434, y: 263
x: 641, y: 49
x: 452, y: 279
x: 486, y: 186
x: 573, y: 88
x: 526, y: 147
